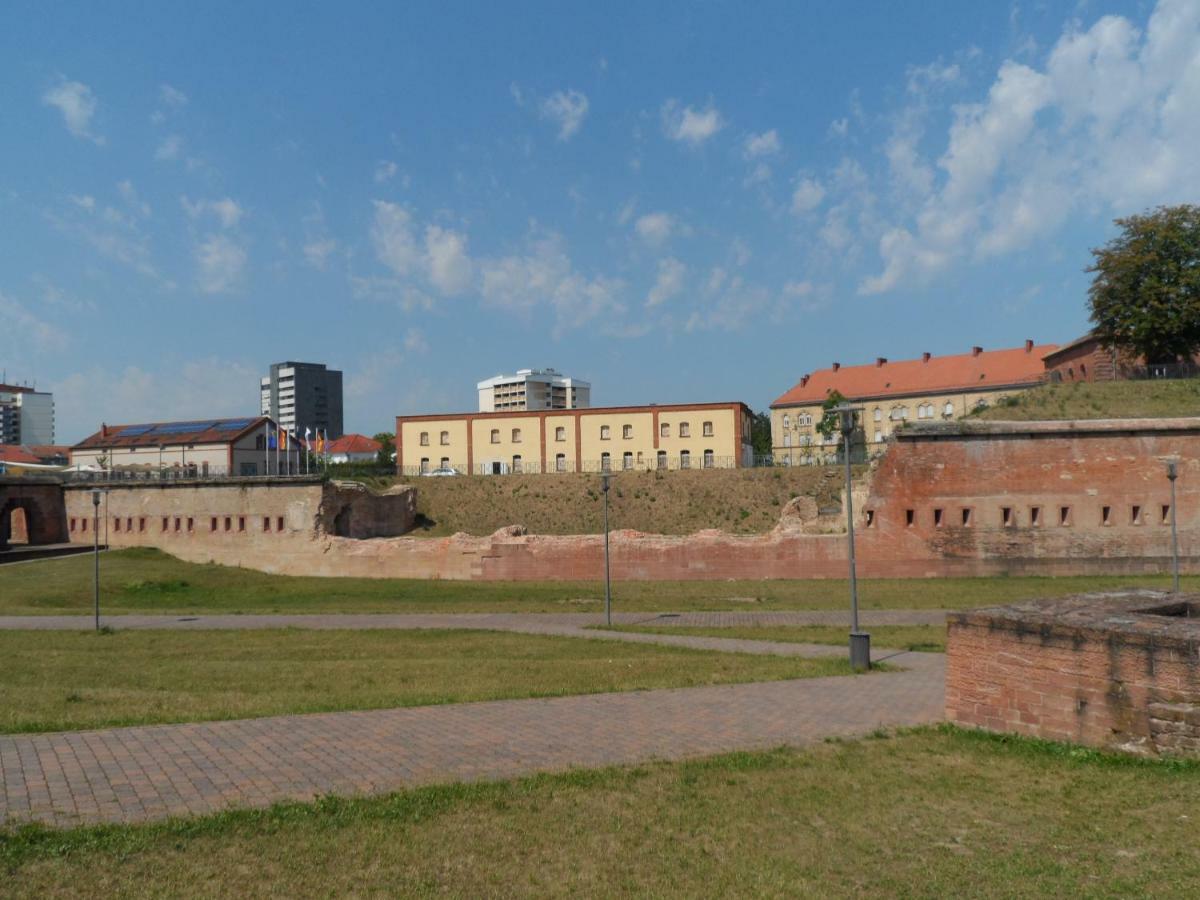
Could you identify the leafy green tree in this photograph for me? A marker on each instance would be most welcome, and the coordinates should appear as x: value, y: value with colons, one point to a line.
x: 760, y: 433
x: 830, y: 424
x: 1145, y: 296
x: 388, y: 449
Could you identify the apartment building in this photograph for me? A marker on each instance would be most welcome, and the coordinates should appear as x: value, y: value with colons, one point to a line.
x: 26, y: 415
x: 301, y: 395
x: 533, y: 389
x: 892, y: 393
x: 673, y: 436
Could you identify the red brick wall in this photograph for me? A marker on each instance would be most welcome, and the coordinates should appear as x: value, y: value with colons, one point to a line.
x: 1071, y: 685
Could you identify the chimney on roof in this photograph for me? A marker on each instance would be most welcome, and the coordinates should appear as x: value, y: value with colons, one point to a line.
x: 880, y: 361
x: 804, y: 380
x: 1028, y: 345
x: 836, y: 366
x: 103, y: 429
x: 975, y: 351
x: 925, y: 356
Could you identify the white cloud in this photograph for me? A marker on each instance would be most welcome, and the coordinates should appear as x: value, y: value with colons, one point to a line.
x: 450, y: 268
x: 1107, y: 123
x: 385, y: 170
x: 567, y: 109
x: 198, y: 388
x: 393, y: 238
x: 130, y: 196
x: 807, y: 196
x: 109, y: 231
x: 668, y: 283
x: 220, y: 262
x: 414, y: 341
x: 730, y: 306
x: 227, y: 210
x: 318, y: 251
x: 20, y: 329
x: 690, y: 125
x: 77, y: 104
x: 86, y: 201
x: 839, y: 127
x: 172, y: 96
x: 654, y: 228
x: 545, y: 275
x: 169, y: 148
x: 759, y: 145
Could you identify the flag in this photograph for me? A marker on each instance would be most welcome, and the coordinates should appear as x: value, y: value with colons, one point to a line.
x: 283, y: 438
x: 320, y: 442
x: 272, y: 440
x: 308, y: 438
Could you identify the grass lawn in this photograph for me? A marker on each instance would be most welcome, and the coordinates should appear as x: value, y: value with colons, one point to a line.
x: 924, y: 638
x: 1155, y: 398
x: 56, y: 681
x: 931, y: 813
x: 145, y: 580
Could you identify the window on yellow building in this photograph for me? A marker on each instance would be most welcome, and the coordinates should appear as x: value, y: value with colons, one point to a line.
x: 787, y: 421
x: 445, y: 438
x: 685, y: 430
x: 627, y: 460
x: 495, y: 435
x: 605, y: 433
x: 708, y: 429
x: 424, y: 438
x: 685, y: 459
x: 560, y: 433
x: 878, y: 414
x: 627, y: 431
x: 948, y: 409
x: 605, y: 462
x: 560, y: 462
x: 664, y: 430
x: 516, y: 435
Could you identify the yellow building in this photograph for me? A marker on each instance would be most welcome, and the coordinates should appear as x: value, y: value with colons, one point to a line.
x: 676, y: 436
x: 892, y: 393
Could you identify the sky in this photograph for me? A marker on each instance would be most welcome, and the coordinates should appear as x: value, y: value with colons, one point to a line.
x: 678, y: 202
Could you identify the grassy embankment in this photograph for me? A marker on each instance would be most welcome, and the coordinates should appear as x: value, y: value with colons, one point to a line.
x: 149, y: 581
x: 1102, y: 400
x: 930, y: 813
x: 921, y: 638
x: 57, y: 681
x: 740, y: 501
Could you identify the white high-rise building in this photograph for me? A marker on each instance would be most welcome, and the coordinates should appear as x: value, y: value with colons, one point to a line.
x: 26, y: 415
x: 533, y: 389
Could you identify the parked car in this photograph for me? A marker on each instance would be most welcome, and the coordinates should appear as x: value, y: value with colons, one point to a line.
x: 442, y: 472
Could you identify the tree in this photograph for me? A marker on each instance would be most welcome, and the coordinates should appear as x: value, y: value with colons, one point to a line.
x: 830, y: 423
x: 1146, y: 293
x: 760, y: 433
x: 387, y: 450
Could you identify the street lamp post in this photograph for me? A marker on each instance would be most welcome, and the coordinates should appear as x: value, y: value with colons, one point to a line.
x: 860, y: 641
x: 604, y: 476
x: 96, y: 550
x: 1172, y: 474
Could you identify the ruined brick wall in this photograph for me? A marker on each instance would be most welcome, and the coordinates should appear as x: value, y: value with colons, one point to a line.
x: 269, y: 524
x: 1092, y: 670
x: 31, y: 511
x: 962, y: 498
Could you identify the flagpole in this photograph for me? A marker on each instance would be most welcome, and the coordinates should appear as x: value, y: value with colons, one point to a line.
x: 276, y: 448
x: 266, y: 447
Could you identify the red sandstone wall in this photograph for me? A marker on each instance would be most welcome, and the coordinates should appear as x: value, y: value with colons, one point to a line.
x: 1081, y: 466
x: 1066, y: 685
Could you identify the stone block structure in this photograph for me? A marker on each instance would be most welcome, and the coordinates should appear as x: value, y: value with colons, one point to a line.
x: 31, y: 511
x: 1117, y: 671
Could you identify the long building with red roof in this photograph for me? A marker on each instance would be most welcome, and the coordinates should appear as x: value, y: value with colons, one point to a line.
x: 924, y: 389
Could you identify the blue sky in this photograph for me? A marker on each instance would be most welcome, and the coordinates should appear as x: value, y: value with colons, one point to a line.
x: 677, y: 202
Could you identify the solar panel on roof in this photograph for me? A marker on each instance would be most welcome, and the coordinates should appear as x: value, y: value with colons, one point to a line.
x: 134, y: 430
x: 235, y: 425
x: 182, y: 427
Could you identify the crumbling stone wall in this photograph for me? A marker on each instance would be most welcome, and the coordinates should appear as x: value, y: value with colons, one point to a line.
x: 1095, y: 669
x: 31, y: 511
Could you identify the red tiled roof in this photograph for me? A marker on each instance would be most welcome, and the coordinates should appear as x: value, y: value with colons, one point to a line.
x: 988, y: 369
x: 47, y: 450
x: 198, y: 431
x: 11, y: 453
x: 354, y: 443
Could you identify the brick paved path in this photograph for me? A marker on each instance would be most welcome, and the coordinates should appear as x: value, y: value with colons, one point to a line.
x: 150, y: 772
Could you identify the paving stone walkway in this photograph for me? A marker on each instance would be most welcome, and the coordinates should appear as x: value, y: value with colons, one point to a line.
x: 152, y: 772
